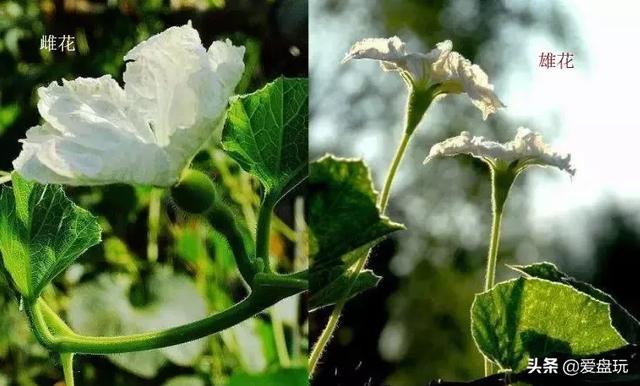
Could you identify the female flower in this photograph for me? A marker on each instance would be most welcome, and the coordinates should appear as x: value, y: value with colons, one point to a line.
x: 525, y: 150
x: 96, y: 132
x: 441, y: 70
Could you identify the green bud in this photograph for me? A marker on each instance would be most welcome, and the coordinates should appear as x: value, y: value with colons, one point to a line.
x: 195, y: 192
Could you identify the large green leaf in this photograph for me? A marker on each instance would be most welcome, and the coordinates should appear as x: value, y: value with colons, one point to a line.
x: 41, y: 233
x: 623, y: 321
x: 345, y: 222
x: 530, y: 317
x: 267, y: 133
x: 281, y: 377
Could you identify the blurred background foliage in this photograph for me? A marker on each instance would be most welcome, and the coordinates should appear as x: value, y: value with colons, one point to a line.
x: 414, y: 326
x: 157, y: 266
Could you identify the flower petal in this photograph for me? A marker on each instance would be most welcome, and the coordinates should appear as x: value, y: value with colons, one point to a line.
x: 226, y: 61
x: 440, y: 65
x: 528, y: 148
x: 160, y: 78
x: 97, y: 133
x: 87, y: 124
x: 91, y: 110
x: 182, y: 90
x: 456, y: 72
x: 48, y: 156
x: 388, y: 50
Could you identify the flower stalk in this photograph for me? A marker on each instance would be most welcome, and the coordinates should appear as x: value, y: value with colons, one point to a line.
x: 501, y: 181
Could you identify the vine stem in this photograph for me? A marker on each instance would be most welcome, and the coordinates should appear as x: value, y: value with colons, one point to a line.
x: 56, y: 336
x: 418, y: 101
x: 332, y: 323
x: 67, y: 368
x: 263, y: 230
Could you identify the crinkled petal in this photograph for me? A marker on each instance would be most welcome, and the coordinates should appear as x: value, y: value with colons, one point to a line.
x: 391, y: 53
x: 440, y: 65
x: 528, y: 148
x: 226, y: 61
x: 95, y: 132
x: 387, y: 50
x: 88, y: 128
x: 160, y: 77
x: 49, y: 156
x: 182, y: 90
x: 91, y: 110
x: 458, y: 73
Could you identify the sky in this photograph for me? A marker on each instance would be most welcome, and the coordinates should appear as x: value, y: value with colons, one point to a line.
x: 597, y: 102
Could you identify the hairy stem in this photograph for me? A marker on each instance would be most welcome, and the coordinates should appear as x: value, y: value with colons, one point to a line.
x: 332, y: 323
x: 269, y: 289
x: 501, y: 181
x: 393, y: 169
x: 418, y: 102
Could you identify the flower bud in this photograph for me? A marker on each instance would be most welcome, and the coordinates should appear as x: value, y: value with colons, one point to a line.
x: 194, y: 193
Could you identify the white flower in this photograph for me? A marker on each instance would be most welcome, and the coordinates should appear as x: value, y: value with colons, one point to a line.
x: 526, y: 149
x: 95, y: 132
x: 441, y: 65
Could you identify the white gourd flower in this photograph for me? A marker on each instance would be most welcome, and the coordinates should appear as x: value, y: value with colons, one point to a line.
x: 441, y: 66
x: 174, y: 99
x: 528, y: 148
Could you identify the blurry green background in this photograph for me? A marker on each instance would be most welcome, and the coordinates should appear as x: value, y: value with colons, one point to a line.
x: 415, y: 326
x: 157, y: 267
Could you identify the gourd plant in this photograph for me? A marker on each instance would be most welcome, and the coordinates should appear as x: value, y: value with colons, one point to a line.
x: 543, y: 312
x: 175, y: 100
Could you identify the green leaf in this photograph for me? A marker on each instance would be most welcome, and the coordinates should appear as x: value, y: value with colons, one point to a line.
x: 530, y: 317
x: 266, y: 132
x: 623, y: 321
x: 289, y: 377
x: 331, y: 293
x: 41, y: 233
x: 345, y: 222
x: 103, y: 307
